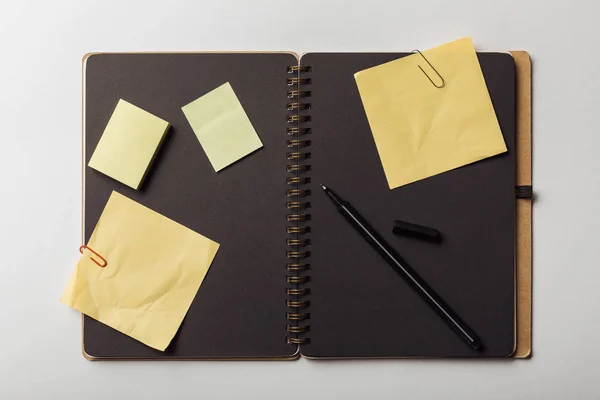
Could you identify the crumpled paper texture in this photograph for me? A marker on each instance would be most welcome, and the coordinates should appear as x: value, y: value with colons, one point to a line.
x: 154, y: 269
x: 421, y: 130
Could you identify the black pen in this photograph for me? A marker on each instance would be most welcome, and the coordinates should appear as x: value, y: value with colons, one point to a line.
x: 404, y: 270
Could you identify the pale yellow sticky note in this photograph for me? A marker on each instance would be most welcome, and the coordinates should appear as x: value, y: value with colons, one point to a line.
x: 154, y: 269
x: 420, y: 130
x: 222, y: 126
x: 129, y: 143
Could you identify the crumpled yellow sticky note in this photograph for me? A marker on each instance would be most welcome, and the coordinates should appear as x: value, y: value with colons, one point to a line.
x: 421, y: 130
x: 154, y: 269
x: 222, y: 126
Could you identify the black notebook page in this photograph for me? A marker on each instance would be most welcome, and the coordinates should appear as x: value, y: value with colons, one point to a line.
x: 359, y: 306
x: 240, y: 308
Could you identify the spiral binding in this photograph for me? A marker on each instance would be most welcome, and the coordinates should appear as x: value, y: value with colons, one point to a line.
x: 298, y: 254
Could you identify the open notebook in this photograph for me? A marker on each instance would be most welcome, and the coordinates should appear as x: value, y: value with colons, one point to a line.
x: 291, y: 278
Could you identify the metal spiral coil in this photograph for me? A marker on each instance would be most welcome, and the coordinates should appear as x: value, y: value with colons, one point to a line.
x: 298, y: 118
x: 293, y: 131
x: 298, y: 292
x: 297, y: 340
x: 297, y: 192
x: 298, y: 304
x: 297, y: 155
x: 294, y: 94
x: 297, y: 168
x: 297, y: 180
x: 297, y: 267
x: 298, y: 242
x: 298, y: 329
x: 298, y: 106
x: 298, y: 229
x: 298, y: 316
x: 298, y: 81
x: 298, y: 68
x: 298, y: 252
x: 297, y: 143
x: 298, y: 217
x: 297, y: 255
x: 298, y: 204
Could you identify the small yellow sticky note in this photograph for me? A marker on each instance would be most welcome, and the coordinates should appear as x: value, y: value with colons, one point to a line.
x: 420, y: 130
x: 154, y: 267
x: 222, y: 127
x: 129, y: 143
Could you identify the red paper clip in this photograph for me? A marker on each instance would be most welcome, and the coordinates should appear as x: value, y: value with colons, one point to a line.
x: 104, y: 263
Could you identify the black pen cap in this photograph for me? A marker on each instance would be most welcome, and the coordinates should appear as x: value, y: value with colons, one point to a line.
x: 408, y: 229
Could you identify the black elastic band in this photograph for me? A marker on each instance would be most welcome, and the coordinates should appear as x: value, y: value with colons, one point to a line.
x: 524, y: 192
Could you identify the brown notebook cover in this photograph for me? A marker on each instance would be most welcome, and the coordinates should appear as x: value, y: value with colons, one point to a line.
x: 250, y: 305
x: 524, y: 206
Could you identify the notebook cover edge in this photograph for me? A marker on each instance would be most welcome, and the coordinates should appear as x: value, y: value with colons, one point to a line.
x: 524, y: 207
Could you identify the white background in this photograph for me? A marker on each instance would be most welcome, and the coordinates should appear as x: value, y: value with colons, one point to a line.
x: 41, y: 44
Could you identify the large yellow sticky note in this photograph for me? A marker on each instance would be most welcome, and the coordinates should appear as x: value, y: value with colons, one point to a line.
x: 129, y: 143
x: 421, y: 130
x: 154, y: 267
x: 222, y: 126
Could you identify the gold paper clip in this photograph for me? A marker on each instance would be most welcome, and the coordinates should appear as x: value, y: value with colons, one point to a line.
x: 101, y: 265
x: 425, y: 73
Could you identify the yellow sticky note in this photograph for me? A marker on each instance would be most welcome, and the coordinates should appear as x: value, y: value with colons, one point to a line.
x: 154, y: 267
x: 420, y: 130
x: 222, y: 126
x: 129, y: 143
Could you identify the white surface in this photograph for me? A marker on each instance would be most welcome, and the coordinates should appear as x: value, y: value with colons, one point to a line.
x: 40, y: 102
